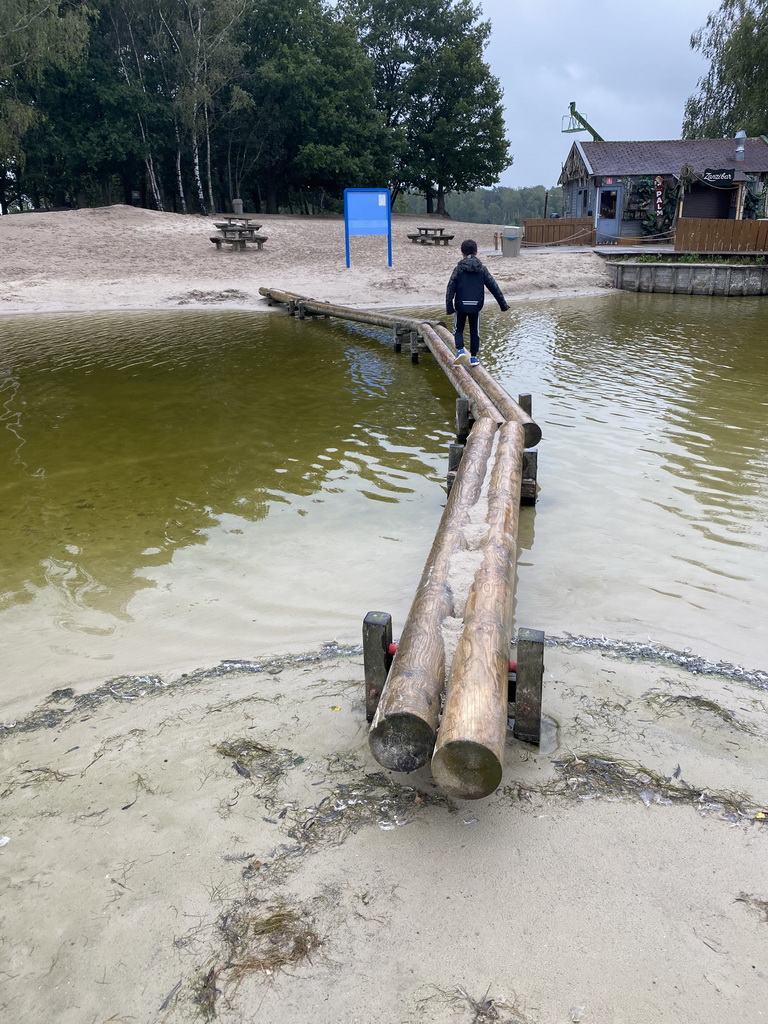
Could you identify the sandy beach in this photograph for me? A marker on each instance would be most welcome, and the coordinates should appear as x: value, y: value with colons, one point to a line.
x: 119, y: 257
x: 220, y: 845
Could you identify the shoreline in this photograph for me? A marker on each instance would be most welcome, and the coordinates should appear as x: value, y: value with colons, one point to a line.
x: 122, y: 258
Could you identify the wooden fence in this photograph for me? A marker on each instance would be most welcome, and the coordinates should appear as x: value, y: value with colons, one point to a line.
x: 559, y: 231
x: 700, y: 234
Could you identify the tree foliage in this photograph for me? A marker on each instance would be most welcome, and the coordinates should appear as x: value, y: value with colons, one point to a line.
x: 733, y: 94
x: 35, y: 35
x: 187, y: 104
x: 435, y: 92
x: 500, y: 205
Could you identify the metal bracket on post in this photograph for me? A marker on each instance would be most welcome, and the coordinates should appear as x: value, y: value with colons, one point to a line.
x: 377, y: 639
x: 528, y: 685
x: 530, y: 470
x: 525, y: 401
x: 398, y: 333
x: 414, y: 346
x: 455, y: 452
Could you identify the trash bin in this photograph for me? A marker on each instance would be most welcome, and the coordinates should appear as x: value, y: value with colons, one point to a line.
x: 511, y: 237
x: 237, y: 207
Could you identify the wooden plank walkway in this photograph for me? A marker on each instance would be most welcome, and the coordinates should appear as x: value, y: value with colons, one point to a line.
x: 466, y: 737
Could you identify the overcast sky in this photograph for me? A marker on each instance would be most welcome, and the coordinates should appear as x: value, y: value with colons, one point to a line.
x: 627, y: 65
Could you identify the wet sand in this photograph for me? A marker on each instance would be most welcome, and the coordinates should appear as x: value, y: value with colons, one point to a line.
x: 222, y: 846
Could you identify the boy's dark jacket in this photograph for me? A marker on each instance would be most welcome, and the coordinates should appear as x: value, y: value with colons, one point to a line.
x: 466, y: 288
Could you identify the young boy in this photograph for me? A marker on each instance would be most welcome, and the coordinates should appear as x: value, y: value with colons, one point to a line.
x: 465, y: 297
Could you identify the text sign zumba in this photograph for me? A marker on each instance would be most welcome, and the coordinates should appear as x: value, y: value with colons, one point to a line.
x: 367, y: 211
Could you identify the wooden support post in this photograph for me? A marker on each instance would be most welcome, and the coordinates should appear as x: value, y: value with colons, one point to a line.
x: 469, y: 752
x: 464, y: 419
x: 377, y: 636
x: 530, y: 677
x: 525, y: 401
x: 455, y: 452
x: 397, y: 338
x: 530, y: 470
x: 403, y: 730
x: 414, y: 346
x: 291, y: 307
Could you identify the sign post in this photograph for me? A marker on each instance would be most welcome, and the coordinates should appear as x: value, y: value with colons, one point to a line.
x: 367, y: 211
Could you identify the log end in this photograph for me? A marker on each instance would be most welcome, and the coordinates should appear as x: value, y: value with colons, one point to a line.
x: 531, y: 434
x: 402, y: 743
x: 466, y: 770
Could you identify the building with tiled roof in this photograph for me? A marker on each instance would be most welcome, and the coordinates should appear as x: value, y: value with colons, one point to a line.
x: 632, y: 189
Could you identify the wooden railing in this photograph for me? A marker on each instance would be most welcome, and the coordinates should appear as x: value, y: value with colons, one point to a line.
x: 559, y: 231
x: 701, y: 234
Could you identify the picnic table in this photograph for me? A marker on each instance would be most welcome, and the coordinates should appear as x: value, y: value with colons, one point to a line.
x: 237, y: 231
x: 430, y: 236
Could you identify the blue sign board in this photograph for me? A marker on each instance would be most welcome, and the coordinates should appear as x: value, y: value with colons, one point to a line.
x: 367, y: 211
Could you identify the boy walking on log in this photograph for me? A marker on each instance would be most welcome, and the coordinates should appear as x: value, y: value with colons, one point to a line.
x: 465, y: 297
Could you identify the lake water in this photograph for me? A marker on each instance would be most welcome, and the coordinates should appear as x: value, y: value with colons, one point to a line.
x: 184, y: 487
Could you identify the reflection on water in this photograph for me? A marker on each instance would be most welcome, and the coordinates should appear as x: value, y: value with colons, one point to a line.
x: 227, y: 482
x: 654, y: 505
x: 183, y: 487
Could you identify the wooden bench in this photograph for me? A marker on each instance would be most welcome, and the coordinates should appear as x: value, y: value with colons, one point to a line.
x: 239, y: 243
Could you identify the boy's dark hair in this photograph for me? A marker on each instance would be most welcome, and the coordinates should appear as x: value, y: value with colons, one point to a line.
x: 469, y: 247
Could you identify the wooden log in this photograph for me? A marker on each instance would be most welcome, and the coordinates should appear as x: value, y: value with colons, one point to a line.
x: 403, y: 731
x: 480, y: 404
x: 469, y: 752
x: 377, y: 638
x: 528, y: 686
x: 503, y: 401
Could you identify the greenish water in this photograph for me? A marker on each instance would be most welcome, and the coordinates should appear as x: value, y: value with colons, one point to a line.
x: 183, y: 487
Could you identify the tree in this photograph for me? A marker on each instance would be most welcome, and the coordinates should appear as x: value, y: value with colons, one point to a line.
x: 455, y: 130
x: 34, y: 35
x: 733, y: 94
x: 311, y: 121
x: 437, y: 96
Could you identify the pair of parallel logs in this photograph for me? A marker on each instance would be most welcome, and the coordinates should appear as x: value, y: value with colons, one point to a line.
x: 467, y: 750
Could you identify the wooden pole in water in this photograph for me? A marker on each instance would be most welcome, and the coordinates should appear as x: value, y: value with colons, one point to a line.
x: 469, y: 753
x: 405, y: 724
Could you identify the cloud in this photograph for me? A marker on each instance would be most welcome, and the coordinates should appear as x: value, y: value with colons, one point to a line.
x: 628, y: 67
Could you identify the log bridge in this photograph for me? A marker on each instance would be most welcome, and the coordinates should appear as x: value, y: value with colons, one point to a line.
x: 420, y: 707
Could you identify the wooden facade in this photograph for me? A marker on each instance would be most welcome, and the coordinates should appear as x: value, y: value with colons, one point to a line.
x: 560, y: 231
x: 649, y: 191
x: 705, y: 235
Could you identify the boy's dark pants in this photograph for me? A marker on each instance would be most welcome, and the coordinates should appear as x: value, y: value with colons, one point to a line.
x: 474, y: 331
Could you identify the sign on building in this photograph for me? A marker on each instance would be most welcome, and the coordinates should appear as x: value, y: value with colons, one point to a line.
x: 658, y: 195
x: 722, y: 177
